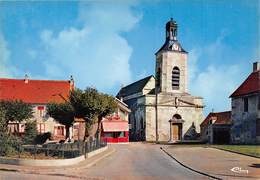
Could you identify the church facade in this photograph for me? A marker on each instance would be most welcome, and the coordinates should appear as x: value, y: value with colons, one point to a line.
x: 161, y: 107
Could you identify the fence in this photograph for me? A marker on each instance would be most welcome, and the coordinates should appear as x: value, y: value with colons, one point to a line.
x: 65, y: 150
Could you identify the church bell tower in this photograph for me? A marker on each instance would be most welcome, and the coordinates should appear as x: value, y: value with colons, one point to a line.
x: 171, y: 63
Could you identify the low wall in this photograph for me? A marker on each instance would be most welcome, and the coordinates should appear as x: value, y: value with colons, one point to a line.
x: 55, y: 162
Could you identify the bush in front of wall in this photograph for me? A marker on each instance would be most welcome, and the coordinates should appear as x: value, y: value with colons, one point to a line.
x: 30, y: 132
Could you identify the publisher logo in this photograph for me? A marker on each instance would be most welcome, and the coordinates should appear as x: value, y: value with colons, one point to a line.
x: 239, y: 170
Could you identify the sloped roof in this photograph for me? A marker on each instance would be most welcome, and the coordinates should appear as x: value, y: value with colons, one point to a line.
x: 122, y: 105
x: 250, y: 85
x: 167, y: 46
x: 221, y: 118
x: 35, y: 91
x: 134, y: 87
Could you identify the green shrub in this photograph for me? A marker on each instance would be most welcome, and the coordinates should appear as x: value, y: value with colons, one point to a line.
x: 30, y: 132
x: 10, y: 144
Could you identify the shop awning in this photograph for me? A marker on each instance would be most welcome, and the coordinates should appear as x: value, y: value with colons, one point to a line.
x: 115, y: 126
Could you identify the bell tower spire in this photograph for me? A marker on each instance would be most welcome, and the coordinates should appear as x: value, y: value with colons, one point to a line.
x: 171, y: 63
x: 171, y: 41
x: 171, y: 30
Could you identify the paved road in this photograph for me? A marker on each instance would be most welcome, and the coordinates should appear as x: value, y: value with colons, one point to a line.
x: 140, y: 161
x: 132, y: 161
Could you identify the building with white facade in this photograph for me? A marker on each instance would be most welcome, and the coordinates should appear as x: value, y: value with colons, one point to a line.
x: 161, y: 107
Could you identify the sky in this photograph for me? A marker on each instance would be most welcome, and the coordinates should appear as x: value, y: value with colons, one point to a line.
x: 109, y: 44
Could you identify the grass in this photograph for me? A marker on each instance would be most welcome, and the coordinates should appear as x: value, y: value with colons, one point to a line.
x: 27, y: 155
x: 253, y: 150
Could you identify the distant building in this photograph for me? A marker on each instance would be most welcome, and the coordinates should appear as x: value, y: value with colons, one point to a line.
x: 162, y: 109
x: 215, y: 129
x: 78, y: 129
x: 115, y: 128
x: 38, y: 93
x: 246, y: 109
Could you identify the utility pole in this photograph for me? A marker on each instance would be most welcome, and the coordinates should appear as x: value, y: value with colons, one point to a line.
x: 156, y: 115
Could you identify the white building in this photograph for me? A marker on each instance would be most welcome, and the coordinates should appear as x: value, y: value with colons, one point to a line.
x: 161, y: 107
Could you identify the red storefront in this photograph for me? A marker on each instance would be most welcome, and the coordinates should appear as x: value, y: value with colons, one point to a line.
x: 115, y: 130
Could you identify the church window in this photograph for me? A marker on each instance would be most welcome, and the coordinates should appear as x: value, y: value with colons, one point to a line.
x: 175, y: 78
x: 176, y: 116
x: 175, y: 32
x: 158, y: 77
x: 142, y: 123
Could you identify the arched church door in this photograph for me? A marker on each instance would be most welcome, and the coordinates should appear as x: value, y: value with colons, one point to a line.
x: 176, y: 127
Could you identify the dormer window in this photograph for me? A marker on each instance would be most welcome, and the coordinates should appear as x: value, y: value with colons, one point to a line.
x: 175, y: 78
x: 40, y: 110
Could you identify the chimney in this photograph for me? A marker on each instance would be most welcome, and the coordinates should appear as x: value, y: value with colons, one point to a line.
x: 71, y: 83
x: 256, y: 66
x: 26, y: 79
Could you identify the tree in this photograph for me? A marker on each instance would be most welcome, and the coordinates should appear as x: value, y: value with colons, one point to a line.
x: 107, y: 106
x: 63, y: 113
x: 91, y: 105
x: 30, y: 132
x: 16, y: 110
x: 9, y: 143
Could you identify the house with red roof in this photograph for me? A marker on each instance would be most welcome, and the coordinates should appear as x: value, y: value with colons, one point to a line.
x: 38, y: 93
x: 215, y: 129
x: 245, y: 101
x: 115, y: 127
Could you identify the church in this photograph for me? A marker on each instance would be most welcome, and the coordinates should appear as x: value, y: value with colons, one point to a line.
x: 161, y: 107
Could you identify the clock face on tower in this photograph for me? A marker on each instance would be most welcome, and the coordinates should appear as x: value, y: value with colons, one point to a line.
x: 175, y: 47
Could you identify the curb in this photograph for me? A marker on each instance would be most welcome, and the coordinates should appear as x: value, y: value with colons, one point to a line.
x: 52, y: 162
x: 194, y: 170
x: 96, y: 160
x: 64, y: 167
x: 235, y: 152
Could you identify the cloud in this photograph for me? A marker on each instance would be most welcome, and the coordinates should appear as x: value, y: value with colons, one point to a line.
x: 4, y: 57
x: 32, y: 53
x: 95, y: 54
x: 218, y: 79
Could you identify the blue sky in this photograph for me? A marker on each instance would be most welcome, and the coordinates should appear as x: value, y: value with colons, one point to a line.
x: 109, y: 43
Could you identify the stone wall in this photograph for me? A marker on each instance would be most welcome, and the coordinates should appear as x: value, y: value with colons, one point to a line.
x: 244, y: 129
x: 190, y: 114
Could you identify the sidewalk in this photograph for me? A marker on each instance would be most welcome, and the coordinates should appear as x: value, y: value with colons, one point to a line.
x: 216, y: 162
x: 65, y: 170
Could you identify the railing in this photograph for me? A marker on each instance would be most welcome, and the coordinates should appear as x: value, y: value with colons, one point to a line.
x: 64, y: 150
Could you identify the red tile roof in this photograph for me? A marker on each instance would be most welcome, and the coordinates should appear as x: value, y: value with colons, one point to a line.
x: 35, y: 91
x: 250, y: 85
x: 220, y: 117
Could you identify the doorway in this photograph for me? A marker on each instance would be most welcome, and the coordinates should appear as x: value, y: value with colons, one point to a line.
x: 176, y: 131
